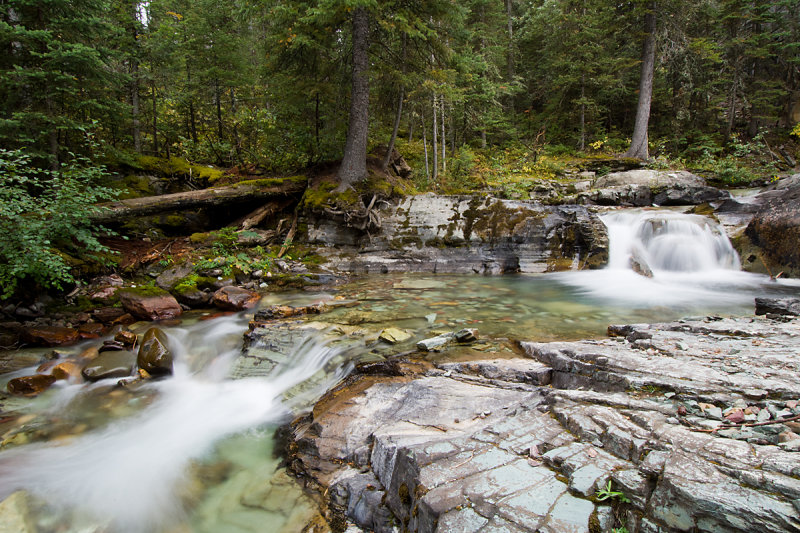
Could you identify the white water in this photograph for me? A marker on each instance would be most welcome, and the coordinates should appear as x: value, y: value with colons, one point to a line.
x: 692, y: 261
x: 129, y: 474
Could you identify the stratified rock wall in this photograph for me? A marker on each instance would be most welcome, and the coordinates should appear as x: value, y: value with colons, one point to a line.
x: 466, y: 234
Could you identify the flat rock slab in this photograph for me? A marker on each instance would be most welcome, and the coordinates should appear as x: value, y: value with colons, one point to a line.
x: 488, y: 446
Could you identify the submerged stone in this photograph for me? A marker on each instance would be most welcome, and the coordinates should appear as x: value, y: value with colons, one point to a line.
x: 116, y: 364
x: 30, y: 385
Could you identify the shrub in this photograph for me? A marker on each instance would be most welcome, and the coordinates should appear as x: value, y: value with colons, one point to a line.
x: 44, y: 215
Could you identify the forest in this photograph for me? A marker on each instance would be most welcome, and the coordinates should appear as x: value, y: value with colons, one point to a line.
x: 461, y: 89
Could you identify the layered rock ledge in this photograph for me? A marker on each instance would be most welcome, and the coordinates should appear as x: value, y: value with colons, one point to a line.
x: 580, y: 436
x: 465, y: 234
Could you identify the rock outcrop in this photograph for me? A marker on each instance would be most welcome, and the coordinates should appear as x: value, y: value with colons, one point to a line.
x: 150, y: 303
x: 466, y: 234
x: 642, y: 188
x: 775, y: 228
x: 635, y: 428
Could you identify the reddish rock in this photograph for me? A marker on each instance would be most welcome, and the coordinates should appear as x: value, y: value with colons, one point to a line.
x: 232, y: 298
x: 154, y: 304
x: 106, y: 294
x: 90, y: 353
x: 125, y: 320
x: 107, y: 315
x: 735, y: 417
x: 50, y: 335
x: 90, y: 330
x: 30, y: 385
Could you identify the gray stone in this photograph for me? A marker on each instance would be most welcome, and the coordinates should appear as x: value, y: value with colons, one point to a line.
x: 464, y: 234
x: 435, y: 343
x: 116, y: 364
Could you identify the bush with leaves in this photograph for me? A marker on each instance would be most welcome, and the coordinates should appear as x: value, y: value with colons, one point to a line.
x: 45, y: 214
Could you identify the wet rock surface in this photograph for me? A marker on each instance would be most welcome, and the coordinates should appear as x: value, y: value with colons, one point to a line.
x: 466, y: 234
x: 154, y: 356
x: 684, y: 426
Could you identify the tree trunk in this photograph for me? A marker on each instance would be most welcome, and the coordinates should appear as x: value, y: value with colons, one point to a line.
x: 444, y: 138
x: 583, y: 113
x: 237, y: 142
x: 435, y: 173
x: 218, y: 102
x: 137, y: 127
x: 215, y: 196
x: 354, y: 161
x: 388, y: 156
x: 510, y: 66
x: 155, y: 121
x: 638, y: 148
x: 425, y: 145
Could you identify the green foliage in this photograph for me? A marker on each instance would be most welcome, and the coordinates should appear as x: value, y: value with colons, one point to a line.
x: 796, y: 131
x: 607, y: 493
x: 43, y: 214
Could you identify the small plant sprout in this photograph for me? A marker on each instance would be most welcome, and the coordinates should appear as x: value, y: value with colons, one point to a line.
x: 607, y: 493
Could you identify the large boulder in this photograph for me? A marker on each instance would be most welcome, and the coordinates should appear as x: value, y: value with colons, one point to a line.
x: 117, y: 364
x: 775, y: 229
x: 651, y: 187
x: 154, y: 355
x: 150, y: 303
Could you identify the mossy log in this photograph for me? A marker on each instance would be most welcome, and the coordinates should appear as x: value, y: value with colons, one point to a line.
x: 243, y: 191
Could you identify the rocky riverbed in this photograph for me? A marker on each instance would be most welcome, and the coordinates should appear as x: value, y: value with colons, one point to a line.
x: 684, y: 426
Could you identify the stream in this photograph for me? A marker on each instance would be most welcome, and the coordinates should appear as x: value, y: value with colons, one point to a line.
x: 197, y: 451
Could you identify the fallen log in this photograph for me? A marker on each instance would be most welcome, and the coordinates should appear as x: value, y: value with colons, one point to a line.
x: 211, y: 197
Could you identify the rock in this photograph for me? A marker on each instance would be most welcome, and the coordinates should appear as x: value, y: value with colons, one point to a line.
x: 435, y: 343
x: 154, y: 355
x: 67, y: 370
x: 736, y: 416
x: 466, y: 335
x: 116, y: 364
x: 650, y: 178
x: 778, y: 306
x: 644, y: 187
x: 464, y: 234
x: 481, y: 444
x: 30, y: 385
x: 394, y: 335
x: 775, y: 229
x: 126, y: 337
x: 171, y: 276
x: 150, y: 304
x: 192, y: 296
x: 111, y: 346
x: 639, y: 264
x: 50, y: 336
x: 91, y: 330
x: 15, y: 516
x: 107, y: 315
x: 232, y: 298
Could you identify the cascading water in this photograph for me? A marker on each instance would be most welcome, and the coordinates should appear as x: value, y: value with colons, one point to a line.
x: 667, y: 241
x: 129, y: 474
x: 664, y: 258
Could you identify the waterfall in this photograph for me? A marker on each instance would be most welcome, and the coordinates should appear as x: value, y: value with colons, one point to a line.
x: 667, y: 241
x: 663, y: 258
x: 129, y: 474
